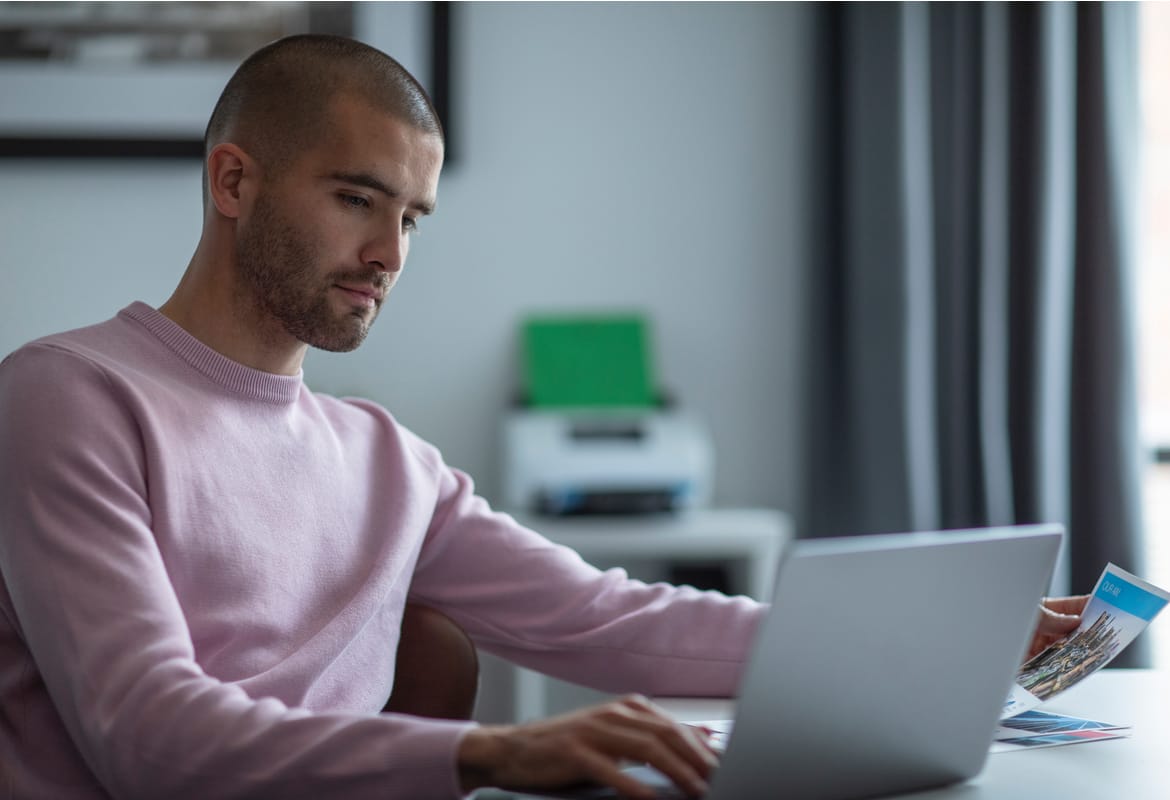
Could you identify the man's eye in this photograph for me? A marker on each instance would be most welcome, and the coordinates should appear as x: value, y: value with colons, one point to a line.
x: 354, y: 201
x: 409, y: 225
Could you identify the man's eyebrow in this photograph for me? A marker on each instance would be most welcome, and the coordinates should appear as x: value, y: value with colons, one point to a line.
x: 370, y: 182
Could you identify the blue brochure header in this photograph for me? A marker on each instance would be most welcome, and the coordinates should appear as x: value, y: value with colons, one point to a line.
x: 1131, y: 599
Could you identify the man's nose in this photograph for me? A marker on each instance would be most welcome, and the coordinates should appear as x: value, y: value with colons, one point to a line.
x: 387, y: 252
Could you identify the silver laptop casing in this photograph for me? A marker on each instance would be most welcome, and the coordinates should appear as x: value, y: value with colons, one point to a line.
x: 885, y: 662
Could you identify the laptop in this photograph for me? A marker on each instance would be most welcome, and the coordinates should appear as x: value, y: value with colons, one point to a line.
x: 883, y: 666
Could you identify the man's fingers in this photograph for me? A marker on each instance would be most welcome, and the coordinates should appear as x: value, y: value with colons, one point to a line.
x: 590, y: 744
x: 1052, y: 623
x: 1066, y: 605
x: 1060, y: 615
x: 634, y: 729
x: 684, y: 739
x: 676, y: 759
x: 607, y: 772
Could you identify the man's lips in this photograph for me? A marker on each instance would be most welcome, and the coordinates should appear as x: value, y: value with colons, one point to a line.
x: 363, y: 293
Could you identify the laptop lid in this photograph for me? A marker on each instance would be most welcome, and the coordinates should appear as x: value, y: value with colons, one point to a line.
x: 885, y: 662
x: 882, y: 667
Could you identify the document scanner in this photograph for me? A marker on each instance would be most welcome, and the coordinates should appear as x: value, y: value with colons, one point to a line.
x: 591, y: 433
x: 559, y: 462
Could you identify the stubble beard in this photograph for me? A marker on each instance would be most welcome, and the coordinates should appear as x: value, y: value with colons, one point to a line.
x: 279, y: 270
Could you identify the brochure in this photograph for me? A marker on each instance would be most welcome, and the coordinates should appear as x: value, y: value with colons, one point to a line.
x: 1121, y: 607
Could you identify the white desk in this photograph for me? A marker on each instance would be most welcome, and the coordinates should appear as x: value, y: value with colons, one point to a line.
x: 1136, y: 768
x: 748, y: 539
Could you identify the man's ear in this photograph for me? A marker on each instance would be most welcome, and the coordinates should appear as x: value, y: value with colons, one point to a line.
x: 227, y: 168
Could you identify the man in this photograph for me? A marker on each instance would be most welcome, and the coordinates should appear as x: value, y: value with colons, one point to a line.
x: 204, y: 565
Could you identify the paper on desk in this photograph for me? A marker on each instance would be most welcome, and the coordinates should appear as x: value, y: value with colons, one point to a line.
x: 1120, y: 608
x: 1033, y: 729
x: 1056, y: 739
x: 718, y: 731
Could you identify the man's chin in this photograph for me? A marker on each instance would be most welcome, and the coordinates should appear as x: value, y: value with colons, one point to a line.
x: 340, y: 343
x: 341, y: 336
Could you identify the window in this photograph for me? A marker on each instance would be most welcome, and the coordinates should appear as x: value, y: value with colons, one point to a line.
x: 1153, y: 300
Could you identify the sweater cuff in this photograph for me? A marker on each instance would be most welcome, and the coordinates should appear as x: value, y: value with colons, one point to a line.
x: 448, y: 738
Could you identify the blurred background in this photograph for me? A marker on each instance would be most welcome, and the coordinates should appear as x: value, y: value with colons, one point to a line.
x: 906, y: 262
x: 608, y: 156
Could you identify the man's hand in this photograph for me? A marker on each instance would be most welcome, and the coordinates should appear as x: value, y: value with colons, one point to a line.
x: 587, y: 745
x: 1059, y: 616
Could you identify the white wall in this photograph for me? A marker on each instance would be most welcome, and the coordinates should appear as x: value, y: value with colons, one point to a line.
x: 620, y: 155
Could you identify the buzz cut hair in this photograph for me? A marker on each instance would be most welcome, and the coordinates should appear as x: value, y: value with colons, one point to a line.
x: 276, y: 104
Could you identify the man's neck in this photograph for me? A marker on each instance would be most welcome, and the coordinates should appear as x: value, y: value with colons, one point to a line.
x: 208, y: 305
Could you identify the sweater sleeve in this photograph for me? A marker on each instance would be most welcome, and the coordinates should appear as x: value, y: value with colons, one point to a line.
x: 540, y: 605
x: 91, y: 600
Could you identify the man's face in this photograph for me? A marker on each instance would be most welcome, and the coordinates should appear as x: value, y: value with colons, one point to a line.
x: 325, y: 240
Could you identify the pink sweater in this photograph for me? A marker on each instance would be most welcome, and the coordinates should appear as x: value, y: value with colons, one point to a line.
x: 203, y: 568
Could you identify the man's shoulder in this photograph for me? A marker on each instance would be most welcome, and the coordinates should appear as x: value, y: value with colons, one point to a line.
x: 62, y: 382
x: 95, y: 343
x: 113, y: 340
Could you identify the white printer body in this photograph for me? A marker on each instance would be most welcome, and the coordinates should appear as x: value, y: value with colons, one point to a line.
x: 569, y: 461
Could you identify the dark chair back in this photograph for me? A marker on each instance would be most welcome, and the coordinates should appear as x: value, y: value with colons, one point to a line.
x: 437, y: 671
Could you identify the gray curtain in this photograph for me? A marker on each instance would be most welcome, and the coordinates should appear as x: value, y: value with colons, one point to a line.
x: 971, y: 359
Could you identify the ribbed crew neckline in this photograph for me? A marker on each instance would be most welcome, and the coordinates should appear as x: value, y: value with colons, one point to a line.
x: 231, y: 375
